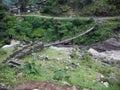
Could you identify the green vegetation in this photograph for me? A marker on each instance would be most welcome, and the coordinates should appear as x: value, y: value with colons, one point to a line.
x: 82, y: 72
x: 82, y: 7
x: 73, y: 7
x: 5, y: 23
x: 84, y: 75
x: 47, y: 30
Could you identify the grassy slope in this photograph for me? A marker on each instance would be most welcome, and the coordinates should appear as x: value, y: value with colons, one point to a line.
x: 84, y: 75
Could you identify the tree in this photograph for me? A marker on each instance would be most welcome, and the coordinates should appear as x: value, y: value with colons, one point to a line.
x: 3, y: 21
x: 23, y: 5
x: 114, y: 2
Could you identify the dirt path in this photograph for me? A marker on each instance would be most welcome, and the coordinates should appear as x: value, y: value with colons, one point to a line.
x: 69, y: 18
x: 35, y: 85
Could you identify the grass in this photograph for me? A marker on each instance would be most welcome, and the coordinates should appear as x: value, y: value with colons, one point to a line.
x: 4, y: 53
x: 85, y: 75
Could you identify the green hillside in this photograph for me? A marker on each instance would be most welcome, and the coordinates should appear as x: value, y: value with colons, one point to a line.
x: 82, y: 7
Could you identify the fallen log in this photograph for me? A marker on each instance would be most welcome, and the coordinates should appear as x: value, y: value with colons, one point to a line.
x: 14, y: 63
x: 34, y: 47
x: 70, y: 39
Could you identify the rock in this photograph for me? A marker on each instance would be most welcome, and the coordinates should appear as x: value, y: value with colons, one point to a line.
x: 113, y: 55
x: 39, y: 57
x: 74, y: 64
x: 93, y: 52
x: 99, y: 77
x: 112, y: 76
x: 66, y: 68
x: 12, y: 44
x: 107, y: 56
x: 110, y: 44
x: 2, y: 85
x: 106, y: 84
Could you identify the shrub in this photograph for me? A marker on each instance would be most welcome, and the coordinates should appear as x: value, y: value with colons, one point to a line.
x: 37, y: 33
x: 60, y: 75
x: 46, y: 9
x: 30, y: 68
x: 21, y: 30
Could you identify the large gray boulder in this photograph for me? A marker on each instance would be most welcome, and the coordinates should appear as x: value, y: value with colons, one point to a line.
x: 110, y: 44
x: 112, y: 56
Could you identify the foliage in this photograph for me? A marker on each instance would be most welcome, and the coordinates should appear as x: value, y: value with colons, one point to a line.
x: 30, y: 68
x: 47, y: 30
x: 3, y: 7
x: 74, y: 54
x: 23, y: 29
x: 59, y: 75
x: 114, y: 2
x: 4, y: 22
x: 23, y: 4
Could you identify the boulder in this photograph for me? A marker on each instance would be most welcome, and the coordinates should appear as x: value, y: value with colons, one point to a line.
x: 107, y: 56
x: 12, y: 44
x: 110, y: 44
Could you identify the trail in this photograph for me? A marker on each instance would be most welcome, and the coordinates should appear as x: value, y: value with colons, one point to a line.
x: 69, y: 18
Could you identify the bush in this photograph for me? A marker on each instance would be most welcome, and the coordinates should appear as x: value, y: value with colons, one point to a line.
x: 114, y: 2
x: 60, y: 75
x: 30, y: 68
x: 21, y: 30
x: 46, y: 9
x: 37, y: 34
x: 77, y: 22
